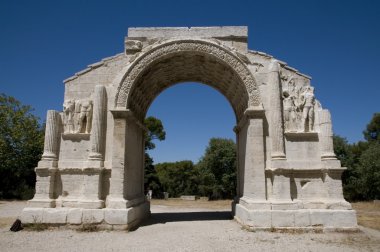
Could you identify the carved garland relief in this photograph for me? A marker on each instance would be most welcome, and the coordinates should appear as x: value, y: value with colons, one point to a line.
x: 182, y: 46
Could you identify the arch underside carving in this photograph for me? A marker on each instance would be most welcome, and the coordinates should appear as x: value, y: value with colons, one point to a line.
x: 187, y: 61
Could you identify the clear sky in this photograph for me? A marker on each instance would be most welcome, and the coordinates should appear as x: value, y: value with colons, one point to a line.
x: 336, y: 42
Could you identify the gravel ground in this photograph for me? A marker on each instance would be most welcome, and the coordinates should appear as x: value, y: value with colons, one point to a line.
x: 178, y: 229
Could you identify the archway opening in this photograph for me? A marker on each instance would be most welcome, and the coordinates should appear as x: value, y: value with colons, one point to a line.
x: 195, y: 117
x: 187, y: 67
x: 164, y: 66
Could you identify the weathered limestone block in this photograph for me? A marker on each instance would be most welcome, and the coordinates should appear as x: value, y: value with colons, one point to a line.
x: 93, y: 216
x: 302, y: 218
x: 74, y: 216
x: 32, y: 215
x: 116, y: 216
x: 133, y: 45
x: 54, y: 215
x: 188, y: 197
x: 283, y: 218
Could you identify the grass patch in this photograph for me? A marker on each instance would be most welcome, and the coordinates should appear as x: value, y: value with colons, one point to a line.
x: 36, y: 227
x: 368, y: 214
x: 6, y: 222
x: 88, y: 228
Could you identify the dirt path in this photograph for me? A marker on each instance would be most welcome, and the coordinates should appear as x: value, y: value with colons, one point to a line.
x: 173, y: 227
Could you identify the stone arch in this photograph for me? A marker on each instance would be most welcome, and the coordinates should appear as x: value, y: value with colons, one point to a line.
x: 105, y: 186
x: 187, y: 60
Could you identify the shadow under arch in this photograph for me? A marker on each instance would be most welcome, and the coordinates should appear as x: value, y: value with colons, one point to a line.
x: 162, y: 218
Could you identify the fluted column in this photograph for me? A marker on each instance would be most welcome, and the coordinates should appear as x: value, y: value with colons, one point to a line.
x: 98, y: 124
x: 276, y: 129
x: 326, y: 135
x: 52, y: 135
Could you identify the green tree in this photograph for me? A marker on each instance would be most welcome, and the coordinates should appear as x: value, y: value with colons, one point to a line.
x: 217, y: 169
x: 178, y: 178
x: 155, y: 132
x: 21, y: 145
x: 372, y: 133
x: 344, y: 153
x: 369, y: 172
x: 361, y: 179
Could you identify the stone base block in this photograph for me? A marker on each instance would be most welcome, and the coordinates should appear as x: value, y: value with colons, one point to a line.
x: 74, y: 216
x: 91, y: 204
x: 41, y: 203
x: 255, y: 204
x: 299, y: 218
x: 111, y: 218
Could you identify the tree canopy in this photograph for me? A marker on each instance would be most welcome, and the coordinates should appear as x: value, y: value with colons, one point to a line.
x: 217, y: 169
x: 178, y: 178
x: 21, y: 145
x: 372, y: 132
x: 361, y: 180
x: 155, y: 132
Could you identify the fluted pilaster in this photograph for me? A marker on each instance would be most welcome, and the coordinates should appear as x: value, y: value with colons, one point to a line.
x: 326, y: 135
x: 276, y: 129
x: 52, y: 135
x: 98, y: 123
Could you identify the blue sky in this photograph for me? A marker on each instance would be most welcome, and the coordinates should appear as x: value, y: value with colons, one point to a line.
x: 336, y: 42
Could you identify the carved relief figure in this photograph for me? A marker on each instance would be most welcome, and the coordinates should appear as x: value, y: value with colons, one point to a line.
x: 290, y: 111
x: 298, y: 104
x: 308, y: 102
x: 77, y: 116
x: 68, y: 116
x: 83, y: 110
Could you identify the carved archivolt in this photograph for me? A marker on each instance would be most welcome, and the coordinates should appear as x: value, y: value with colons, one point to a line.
x: 177, y: 46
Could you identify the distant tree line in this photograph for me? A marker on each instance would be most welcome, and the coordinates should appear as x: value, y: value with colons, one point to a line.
x: 214, y: 176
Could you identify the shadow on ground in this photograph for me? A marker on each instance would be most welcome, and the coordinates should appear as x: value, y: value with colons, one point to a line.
x: 162, y: 218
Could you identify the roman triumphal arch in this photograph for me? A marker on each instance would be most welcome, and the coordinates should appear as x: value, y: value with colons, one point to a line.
x: 91, y: 170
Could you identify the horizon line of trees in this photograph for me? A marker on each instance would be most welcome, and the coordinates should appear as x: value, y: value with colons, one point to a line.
x: 214, y: 176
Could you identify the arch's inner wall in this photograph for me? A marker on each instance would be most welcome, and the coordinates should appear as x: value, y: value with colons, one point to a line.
x: 187, y: 67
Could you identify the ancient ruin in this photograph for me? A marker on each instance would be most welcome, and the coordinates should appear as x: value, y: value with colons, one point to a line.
x: 92, y: 166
